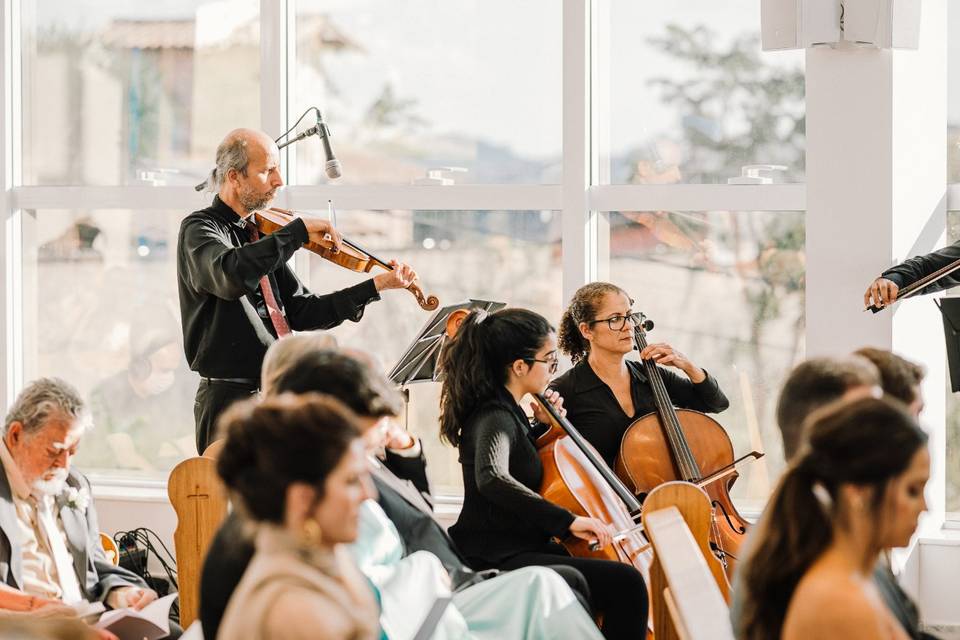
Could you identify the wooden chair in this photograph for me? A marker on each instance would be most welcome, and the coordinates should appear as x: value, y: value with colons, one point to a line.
x: 689, y: 587
x: 110, y: 549
x: 200, y: 501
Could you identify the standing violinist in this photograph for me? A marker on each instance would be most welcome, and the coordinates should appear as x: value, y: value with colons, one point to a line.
x: 495, y: 360
x: 604, y: 392
x: 237, y: 294
x: 884, y: 290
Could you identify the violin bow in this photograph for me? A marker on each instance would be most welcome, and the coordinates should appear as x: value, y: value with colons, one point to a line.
x: 917, y: 287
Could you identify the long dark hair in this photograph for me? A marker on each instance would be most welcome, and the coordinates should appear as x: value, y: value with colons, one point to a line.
x: 866, y: 442
x: 475, y: 363
x: 583, y: 308
x: 284, y: 439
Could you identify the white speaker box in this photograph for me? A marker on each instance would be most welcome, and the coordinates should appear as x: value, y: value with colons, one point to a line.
x: 885, y: 24
x: 798, y: 24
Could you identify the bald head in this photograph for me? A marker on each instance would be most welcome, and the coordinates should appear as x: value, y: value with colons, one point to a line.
x: 247, y: 174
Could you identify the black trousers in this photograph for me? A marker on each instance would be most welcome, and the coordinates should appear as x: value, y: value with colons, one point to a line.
x: 618, y: 590
x: 213, y: 397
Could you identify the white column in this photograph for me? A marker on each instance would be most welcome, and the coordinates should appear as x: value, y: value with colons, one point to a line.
x: 11, y: 303
x: 578, y: 227
x: 876, y: 173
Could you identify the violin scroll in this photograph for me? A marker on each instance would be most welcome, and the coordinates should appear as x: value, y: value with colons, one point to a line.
x: 427, y: 303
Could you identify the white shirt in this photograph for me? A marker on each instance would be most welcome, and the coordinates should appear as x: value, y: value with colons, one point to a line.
x: 40, y: 576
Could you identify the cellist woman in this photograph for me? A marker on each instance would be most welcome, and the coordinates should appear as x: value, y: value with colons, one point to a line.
x: 495, y: 360
x: 604, y: 391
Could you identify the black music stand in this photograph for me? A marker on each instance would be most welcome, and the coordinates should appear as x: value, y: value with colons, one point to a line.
x: 419, y: 362
x: 950, y: 310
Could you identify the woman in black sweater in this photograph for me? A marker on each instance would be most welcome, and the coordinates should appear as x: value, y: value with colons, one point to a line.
x: 493, y: 363
x: 604, y: 391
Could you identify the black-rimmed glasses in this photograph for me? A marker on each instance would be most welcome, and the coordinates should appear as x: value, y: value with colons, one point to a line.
x: 618, y: 321
x: 552, y: 363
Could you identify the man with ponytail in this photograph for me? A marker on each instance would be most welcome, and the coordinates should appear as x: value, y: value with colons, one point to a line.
x: 855, y: 489
x: 237, y: 293
x: 605, y: 393
x: 496, y: 360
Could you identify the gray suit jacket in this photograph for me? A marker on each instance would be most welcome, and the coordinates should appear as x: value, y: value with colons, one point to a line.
x: 96, y: 574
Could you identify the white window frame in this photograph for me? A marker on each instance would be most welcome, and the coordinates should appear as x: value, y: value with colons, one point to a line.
x: 582, y: 197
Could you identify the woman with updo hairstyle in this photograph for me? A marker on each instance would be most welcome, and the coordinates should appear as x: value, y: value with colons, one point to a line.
x: 853, y: 492
x: 604, y: 391
x: 494, y: 361
x: 295, y: 468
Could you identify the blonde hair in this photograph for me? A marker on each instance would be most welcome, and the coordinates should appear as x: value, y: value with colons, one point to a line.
x: 285, y: 351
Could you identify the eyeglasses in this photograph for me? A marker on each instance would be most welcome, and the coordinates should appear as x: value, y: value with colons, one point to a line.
x: 618, y: 321
x: 552, y: 363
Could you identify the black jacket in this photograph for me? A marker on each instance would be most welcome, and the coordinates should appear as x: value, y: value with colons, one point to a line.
x: 503, y: 514
x: 226, y: 327
x: 594, y: 411
x: 909, y: 271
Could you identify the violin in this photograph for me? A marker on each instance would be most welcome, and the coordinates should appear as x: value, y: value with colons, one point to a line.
x: 576, y: 478
x: 679, y: 444
x: 350, y: 256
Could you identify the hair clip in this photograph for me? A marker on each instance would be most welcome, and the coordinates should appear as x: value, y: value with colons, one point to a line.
x: 822, y: 495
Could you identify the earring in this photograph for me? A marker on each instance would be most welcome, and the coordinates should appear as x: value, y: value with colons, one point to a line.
x: 311, y: 533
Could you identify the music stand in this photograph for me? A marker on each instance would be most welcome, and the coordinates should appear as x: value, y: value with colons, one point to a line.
x: 950, y: 310
x: 419, y: 362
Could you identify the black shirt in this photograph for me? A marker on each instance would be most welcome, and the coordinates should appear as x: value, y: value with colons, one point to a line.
x: 593, y: 408
x: 909, y: 271
x: 502, y: 513
x: 226, y: 327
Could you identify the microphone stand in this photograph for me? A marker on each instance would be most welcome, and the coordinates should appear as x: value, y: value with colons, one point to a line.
x: 319, y: 129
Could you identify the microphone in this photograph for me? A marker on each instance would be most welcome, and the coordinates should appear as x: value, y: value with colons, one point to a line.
x: 332, y: 166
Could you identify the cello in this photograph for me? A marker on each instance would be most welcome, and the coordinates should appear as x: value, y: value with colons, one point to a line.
x: 576, y: 478
x: 680, y: 444
x: 350, y: 256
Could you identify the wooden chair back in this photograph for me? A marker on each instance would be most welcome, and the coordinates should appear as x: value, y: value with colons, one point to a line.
x: 692, y: 606
x: 200, y: 500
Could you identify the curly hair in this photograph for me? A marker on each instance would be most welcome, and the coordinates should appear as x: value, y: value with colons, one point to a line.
x: 280, y: 441
x: 475, y: 364
x: 583, y: 308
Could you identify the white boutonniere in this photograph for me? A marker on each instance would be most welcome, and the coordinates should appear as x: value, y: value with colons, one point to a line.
x: 74, y: 498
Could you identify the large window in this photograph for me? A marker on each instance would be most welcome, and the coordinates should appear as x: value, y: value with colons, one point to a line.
x: 118, y: 93
x: 117, y: 108
x: 953, y: 410
x: 726, y: 289
x: 691, y: 97
x: 412, y: 85
x: 101, y: 311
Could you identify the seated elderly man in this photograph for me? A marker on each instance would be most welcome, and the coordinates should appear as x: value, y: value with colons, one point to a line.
x: 49, y: 539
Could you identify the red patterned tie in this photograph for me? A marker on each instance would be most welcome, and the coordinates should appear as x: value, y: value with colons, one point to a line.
x: 276, y: 316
